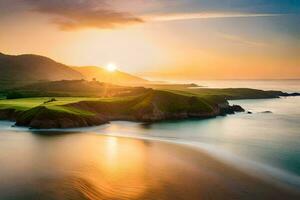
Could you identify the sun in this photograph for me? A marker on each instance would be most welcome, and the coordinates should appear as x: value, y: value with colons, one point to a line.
x: 111, y: 67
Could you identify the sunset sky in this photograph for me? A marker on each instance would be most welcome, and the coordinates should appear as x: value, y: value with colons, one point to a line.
x: 160, y: 39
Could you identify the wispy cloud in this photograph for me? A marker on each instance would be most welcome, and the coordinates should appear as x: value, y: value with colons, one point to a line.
x: 203, y: 15
x: 78, y: 14
x: 71, y: 15
x: 241, y: 40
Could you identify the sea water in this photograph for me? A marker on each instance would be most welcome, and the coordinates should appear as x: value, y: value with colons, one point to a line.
x: 265, y: 143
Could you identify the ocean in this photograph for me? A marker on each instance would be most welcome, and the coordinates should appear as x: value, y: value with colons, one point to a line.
x: 265, y: 143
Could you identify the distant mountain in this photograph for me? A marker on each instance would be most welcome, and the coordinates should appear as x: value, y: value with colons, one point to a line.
x: 34, y: 68
x: 20, y: 70
x: 116, y: 77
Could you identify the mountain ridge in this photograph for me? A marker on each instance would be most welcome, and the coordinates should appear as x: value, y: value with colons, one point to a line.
x: 34, y: 67
x: 20, y: 70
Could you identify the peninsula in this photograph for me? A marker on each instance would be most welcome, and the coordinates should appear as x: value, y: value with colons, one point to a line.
x: 140, y: 105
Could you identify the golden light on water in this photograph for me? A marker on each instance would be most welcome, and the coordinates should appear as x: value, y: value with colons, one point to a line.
x: 122, y: 168
x: 93, y: 166
x: 111, y: 151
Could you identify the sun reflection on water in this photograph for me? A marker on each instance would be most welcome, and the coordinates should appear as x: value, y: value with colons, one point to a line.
x: 118, y: 170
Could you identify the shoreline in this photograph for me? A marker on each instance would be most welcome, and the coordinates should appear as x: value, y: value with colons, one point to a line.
x: 149, y: 106
x: 66, y: 120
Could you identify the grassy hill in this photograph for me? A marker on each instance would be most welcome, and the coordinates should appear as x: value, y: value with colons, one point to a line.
x: 149, y: 105
x: 42, y: 113
x: 229, y: 93
x: 30, y: 68
x: 116, y: 77
x: 162, y: 102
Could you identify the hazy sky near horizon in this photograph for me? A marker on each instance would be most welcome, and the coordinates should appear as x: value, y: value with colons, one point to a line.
x: 160, y: 39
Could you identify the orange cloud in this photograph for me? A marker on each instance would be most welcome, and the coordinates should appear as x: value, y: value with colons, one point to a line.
x: 78, y: 14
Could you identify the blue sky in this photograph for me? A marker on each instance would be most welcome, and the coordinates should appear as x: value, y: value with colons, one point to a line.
x: 260, y: 6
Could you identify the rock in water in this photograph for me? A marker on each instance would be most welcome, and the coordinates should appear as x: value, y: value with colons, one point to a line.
x: 237, y: 108
x: 266, y: 111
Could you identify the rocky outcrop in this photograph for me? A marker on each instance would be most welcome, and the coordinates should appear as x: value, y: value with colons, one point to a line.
x: 294, y: 94
x: 43, y: 118
x: 157, y: 115
x: 62, y: 122
x: 8, y: 114
x: 225, y: 109
x: 267, y: 112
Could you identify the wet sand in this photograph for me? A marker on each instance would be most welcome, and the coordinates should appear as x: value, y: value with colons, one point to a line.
x: 90, y: 166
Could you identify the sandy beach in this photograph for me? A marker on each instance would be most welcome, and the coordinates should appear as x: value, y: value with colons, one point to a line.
x: 91, y: 166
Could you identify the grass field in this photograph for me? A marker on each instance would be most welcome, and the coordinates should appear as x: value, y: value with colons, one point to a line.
x: 166, y: 101
x: 147, y: 105
x: 169, y: 97
x: 27, y: 103
x: 58, y: 106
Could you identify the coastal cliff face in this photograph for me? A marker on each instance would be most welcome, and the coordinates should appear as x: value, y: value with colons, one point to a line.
x: 8, y: 114
x: 153, y: 106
